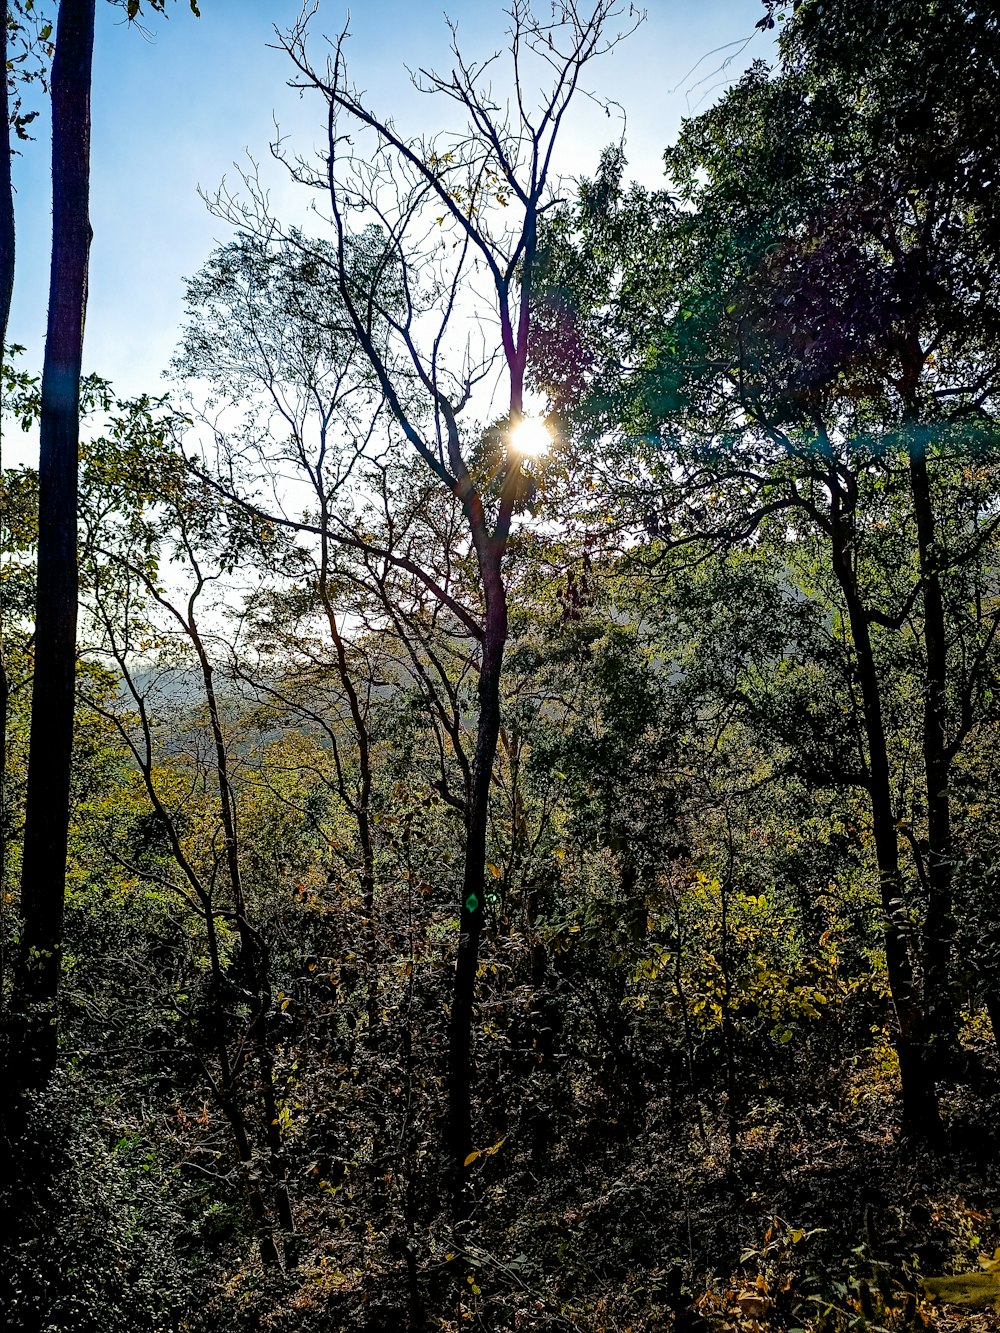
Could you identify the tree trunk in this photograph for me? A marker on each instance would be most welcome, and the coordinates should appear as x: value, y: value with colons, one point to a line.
x: 6, y: 192
x: 255, y: 959
x: 53, y: 695
x: 359, y: 802
x: 921, y: 1118
x: 473, y: 890
x: 993, y: 1011
x: 939, y: 923
x: 7, y: 236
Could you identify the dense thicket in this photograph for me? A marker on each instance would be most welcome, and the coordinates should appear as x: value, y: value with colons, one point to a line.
x: 725, y: 973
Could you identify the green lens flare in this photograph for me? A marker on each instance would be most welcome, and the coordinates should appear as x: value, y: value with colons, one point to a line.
x: 472, y: 902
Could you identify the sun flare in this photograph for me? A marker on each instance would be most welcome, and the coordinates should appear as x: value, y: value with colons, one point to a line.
x: 530, y: 437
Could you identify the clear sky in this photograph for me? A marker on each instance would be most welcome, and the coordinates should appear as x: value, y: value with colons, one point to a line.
x: 175, y: 110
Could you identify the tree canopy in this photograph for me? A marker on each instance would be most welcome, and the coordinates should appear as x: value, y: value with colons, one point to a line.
x: 527, y: 850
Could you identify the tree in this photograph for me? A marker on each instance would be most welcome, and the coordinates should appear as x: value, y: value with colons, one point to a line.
x: 25, y: 49
x: 143, y: 511
x: 54, y: 685
x: 266, y: 334
x: 440, y: 213
x: 820, y: 313
x: 929, y: 88
x: 6, y: 187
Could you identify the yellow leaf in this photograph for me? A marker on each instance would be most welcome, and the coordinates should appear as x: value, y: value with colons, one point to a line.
x: 471, y: 1157
x: 967, y: 1289
x: 494, y: 870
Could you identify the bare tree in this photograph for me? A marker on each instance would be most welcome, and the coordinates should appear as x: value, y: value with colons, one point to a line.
x: 442, y: 313
x: 141, y: 511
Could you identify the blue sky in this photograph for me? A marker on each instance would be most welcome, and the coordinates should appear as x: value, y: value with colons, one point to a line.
x: 176, y: 110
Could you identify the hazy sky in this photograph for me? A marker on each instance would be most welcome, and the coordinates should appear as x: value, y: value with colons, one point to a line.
x: 176, y: 110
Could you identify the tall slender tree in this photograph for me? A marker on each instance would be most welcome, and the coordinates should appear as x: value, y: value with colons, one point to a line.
x: 53, y: 697
x: 449, y: 222
x: 43, y: 876
x: 6, y: 185
x: 7, y: 237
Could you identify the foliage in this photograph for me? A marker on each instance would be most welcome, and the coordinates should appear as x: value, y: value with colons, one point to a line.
x: 740, y: 836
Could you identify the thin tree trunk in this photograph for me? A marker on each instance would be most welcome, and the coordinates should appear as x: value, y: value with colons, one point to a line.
x: 6, y: 192
x: 226, y: 1087
x: 939, y: 923
x: 7, y: 238
x: 4, y: 715
x: 921, y: 1119
x: 53, y: 695
x: 993, y: 1011
x: 254, y: 956
x: 255, y: 1195
x: 728, y: 1026
x: 473, y: 882
x: 359, y: 803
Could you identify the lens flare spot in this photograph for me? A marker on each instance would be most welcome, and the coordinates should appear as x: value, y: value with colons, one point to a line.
x: 530, y: 437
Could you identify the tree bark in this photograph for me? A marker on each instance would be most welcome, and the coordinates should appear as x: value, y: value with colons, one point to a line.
x: 53, y: 695
x: 255, y: 959
x: 920, y: 1115
x: 7, y: 239
x: 7, y: 234
x: 939, y: 922
x: 358, y: 802
x: 473, y: 882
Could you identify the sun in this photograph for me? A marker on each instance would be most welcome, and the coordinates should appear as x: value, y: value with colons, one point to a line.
x: 530, y: 437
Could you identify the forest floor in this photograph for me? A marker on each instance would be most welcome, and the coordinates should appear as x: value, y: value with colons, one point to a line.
x: 813, y: 1218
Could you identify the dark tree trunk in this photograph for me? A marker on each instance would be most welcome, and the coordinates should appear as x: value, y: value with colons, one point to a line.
x: 921, y: 1118
x: 939, y: 923
x: 256, y: 962
x: 473, y: 891
x: 51, y: 742
x: 359, y: 802
x: 6, y: 292
x: 6, y: 192
x: 993, y: 1011
x: 4, y: 715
